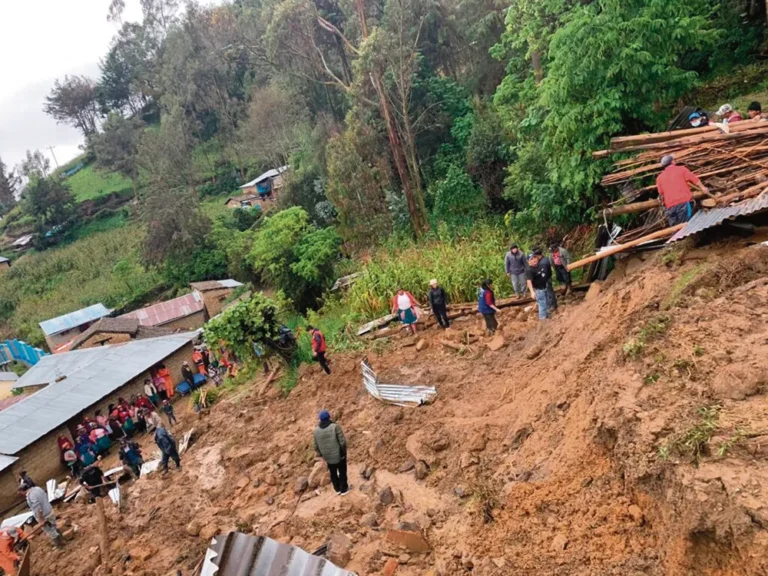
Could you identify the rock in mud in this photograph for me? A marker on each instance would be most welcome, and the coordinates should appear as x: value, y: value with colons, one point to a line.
x: 269, y: 500
x: 368, y: 472
x: 468, y: 460
x: 413, y: 541
x: 533, y: 352
x: 368, y: 489
x: 422, y: 345
x: 459, y: 491
x: 476, y: 443
x: 386, y: 496
x: 407, y: 466
x: 302, y: 483
x: 319, y: 476
x: 404, y: 558
x: 284, y: 459
x: 209, y: 531
x: 369, y: 520
x: 339, y: 550
x: 559, y: 543
x: 390, y: 567
x: 421, y: 470
x: 376, y: 449
x: 594, y: 291
x: 637, y: 514
x: 193, y: 528
x: 739, y: 381
x: 439, y: 443
x: 497, y: 342
x: 243, y: 482
x: 519, y: 437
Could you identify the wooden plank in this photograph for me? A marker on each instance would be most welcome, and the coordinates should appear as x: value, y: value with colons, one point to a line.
x: 666, y: 233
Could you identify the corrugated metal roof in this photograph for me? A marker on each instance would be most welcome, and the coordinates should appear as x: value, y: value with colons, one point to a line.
x: 268, y: 174
x: 91, y: 375
x: 710, y: 218
x: 4, y: 259
x: 6, y: 461
x: 396, y: 394
x: 73, y: 319
x: 215, y: 284
x: 164, y: 312
x: 237, y: 554
x: 8, y: 377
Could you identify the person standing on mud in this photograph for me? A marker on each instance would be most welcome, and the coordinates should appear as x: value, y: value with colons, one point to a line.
x: 331, y: 446
x: 438, y: 301
x: 560, y: 260
x: 404, y: 306
x: 167, y: 446
x: 319, y: 347
x: 539, y: 276
x: 486, y: 305
x: 38, y: 503
x: 515, y: 267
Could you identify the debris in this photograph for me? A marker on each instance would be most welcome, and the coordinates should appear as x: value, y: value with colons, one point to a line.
x: 339, y: 549
x: 386, y: 496
x: 395, y: 393
x: 413, y: 541
x: 18, y: 520
x: 476, y: 443
x: 534, y: 352
x: 368, y: 472
x: 369, y: 520
x: 636, y: 513
x: 269, y: 500
x: 193, y: 528
x: 302, y: 483
x: 421, y: 470
x: 459, y: 491
x: 404, y: 558
x: 559, y: 542
x: 519, y: 437
x: 594, y: 291
x: 467, y: 459
x: 319, y: 476
x: 209, y: 531
x: 114, y: 495
x: 184, y: 444
x: 148, y: 467
x: 407, y: 466
x: 497, y: 342
x: 658, y: 235
x: 439, y: 444
x: 390, y: 567
x: 422, y: 345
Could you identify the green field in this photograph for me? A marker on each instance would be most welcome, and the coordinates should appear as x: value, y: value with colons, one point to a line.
x: 90, y: 183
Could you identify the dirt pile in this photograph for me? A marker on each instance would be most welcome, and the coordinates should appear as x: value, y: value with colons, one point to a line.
x: 625, y: 436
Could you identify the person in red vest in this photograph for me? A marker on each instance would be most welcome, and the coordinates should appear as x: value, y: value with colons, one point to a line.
x: 673, y: 188
x: 319, y: 347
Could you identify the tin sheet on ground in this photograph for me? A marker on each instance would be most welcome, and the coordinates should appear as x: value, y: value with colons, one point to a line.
x: 397, y: 394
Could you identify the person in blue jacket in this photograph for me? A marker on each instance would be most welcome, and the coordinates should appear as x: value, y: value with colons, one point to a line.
x: 486, y: 305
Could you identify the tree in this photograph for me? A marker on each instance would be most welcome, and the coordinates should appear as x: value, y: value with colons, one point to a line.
x: 164, y: 155
x: 175, y: 225
x: 35, y: 165
x: 117, y: 147
x: 9, y: 184
x: 73, y: 102
x: 51, y: 203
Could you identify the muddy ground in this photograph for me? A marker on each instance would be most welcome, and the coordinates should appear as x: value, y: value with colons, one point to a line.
x: 628, y: 435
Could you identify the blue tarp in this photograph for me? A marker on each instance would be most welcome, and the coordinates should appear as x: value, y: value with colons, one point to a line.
x: 20, y: 352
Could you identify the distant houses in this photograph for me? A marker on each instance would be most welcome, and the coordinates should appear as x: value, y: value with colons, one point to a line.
x: 259, y: 191
x: 185, y: 312
x: 59, y: 332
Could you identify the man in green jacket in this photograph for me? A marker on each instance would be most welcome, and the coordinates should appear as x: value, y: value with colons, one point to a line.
x: 331, y: 446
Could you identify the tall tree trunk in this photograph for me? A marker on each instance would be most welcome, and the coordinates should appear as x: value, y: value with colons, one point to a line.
x: 538, y: 72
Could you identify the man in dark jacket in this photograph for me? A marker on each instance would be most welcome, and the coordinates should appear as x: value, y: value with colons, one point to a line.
x: 539, y: 278
x: 331, y: 446
x: 187, y: 374
x: 438, y: 301
x: 515, y: 267
x: 167, y: 446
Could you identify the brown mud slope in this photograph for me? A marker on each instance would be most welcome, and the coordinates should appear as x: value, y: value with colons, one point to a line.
x: 629, y: 435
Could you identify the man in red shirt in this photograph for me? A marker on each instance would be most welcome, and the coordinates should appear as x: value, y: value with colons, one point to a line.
x: 319, y: 347
x: 672, y: 185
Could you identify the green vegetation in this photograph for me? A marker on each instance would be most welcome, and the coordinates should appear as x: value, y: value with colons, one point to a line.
x: 693, y: 442
x: 650, y: 331
x: 91, y: 183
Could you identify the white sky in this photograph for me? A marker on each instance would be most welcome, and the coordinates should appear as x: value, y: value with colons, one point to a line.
x: 41, y: 40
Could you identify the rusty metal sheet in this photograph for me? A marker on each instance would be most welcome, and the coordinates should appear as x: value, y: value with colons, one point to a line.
x: 237, y: 554
x: 168, y: 311
x: 397, y: 394
x: 710, y: 218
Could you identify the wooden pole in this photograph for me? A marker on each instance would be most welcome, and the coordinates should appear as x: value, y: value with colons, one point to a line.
x: 103, y: 536
x: 633, y: 207
x: 621, y: 248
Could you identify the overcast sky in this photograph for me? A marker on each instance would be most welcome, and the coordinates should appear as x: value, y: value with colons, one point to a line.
x: 41, y: 40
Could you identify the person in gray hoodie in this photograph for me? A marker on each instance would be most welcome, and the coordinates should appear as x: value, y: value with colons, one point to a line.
x: 515, y: 267
x: 331, y: 446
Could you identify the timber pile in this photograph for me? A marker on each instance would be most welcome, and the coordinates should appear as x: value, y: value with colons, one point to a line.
x: 731, y: 160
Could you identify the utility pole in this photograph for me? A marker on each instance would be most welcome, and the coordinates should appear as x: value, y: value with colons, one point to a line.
x: 54, y: 155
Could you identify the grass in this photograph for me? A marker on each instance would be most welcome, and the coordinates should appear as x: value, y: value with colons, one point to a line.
x: 89, y: 183
x: 651, y: 330
x: 682, y: 284
x: 110, y: 221
x: 693, y: 442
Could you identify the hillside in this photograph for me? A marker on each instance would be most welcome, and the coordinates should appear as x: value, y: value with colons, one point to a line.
x: 623, y: 437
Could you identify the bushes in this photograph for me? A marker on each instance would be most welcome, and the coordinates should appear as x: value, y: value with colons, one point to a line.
x: 458, y: 201
x: 244, y: 324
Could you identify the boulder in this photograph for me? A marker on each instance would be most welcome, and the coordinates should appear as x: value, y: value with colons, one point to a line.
x: 339, y: 550
x: 319, y: 476
x: 369, y: 520
x: 421, y: 470
x: 497, y: 342
x: 422, y: 345
x: 407, y: 466
x: 193, y: 528
x: 209, y: 531
x: 302, y: 483
x: 476, y: 443
x: 386, y: 496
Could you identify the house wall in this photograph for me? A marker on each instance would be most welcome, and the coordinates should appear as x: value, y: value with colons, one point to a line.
x: 214, y: 300
x: 233, y: 204
x: 41, y: 458
x: 5, y: 388
x: 191, y: 322
x: 104, y: 338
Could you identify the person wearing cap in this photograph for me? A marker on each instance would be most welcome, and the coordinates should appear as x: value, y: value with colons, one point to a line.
x: 438, y: 301
x: 11, y: 539
x: 727, y: 114
x: 40, y: 506
x: 319, y: 347
x: 331, y: 446
x: 755, y: 111
x: 560, y: 260
x: 539, y: 276
x: 514, y: 266
x: 672, y: 185
x: 698, y: 118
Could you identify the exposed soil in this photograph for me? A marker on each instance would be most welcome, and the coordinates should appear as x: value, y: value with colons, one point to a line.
x: 577, y: 449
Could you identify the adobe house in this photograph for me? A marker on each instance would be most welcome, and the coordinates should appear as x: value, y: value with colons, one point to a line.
x: 260, y: 190
x: 116, y: 330
x: 60, y: 331
x: 183, y: 313
x: 64, y: 388
x: 214, y: 293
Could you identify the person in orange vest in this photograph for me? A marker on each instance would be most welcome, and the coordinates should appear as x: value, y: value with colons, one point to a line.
x: 319, y: 347
x: 197, y: 358
x: 10, y: 538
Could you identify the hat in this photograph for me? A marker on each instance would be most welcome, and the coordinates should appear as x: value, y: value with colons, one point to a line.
x: 754, y: 107
x: 724, y: 109
x: 666, y: 160
x: 536, y: 251
x: 513, y: 246
x: 433, y: 282
x: 325, y: 415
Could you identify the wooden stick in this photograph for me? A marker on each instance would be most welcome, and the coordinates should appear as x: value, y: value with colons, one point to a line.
x: 642, y: 206
x: 103, y: 535
x: 617, y: 249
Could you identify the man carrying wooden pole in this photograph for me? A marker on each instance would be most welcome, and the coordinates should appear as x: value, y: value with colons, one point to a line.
x: 672, y: 185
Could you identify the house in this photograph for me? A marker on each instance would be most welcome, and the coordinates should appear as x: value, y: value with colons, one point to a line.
x: 23, y: 242
x: 214, y: 293
x: 60, y: 331
x: 185, y: 312
x: 260, y: 190
x: 4, y: 263
x: 7, y: 384
x: 116, y: 330
x: 64, y: 388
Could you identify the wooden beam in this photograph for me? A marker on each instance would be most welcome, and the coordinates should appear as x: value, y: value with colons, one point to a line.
x: 666, y: 233
x: 642, y: 206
